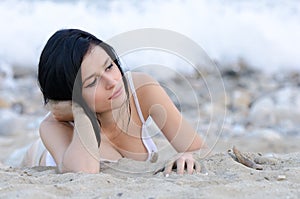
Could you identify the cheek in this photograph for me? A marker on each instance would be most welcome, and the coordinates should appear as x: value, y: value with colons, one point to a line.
x: 89, y: 98
x: 92, y: 96
x: 99, y: 100
x: 119, y: 75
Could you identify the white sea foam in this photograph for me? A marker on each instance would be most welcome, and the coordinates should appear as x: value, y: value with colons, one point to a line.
x: 263, y: 33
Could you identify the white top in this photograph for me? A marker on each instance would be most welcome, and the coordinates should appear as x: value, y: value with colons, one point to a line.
x: 146, y: 130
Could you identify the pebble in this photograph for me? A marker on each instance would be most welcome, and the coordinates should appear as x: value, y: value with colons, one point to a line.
x: 276, y: 108
x: 10, y: 122
x: 4, y: 103
x: 241, y: 99
x: 267, y: 134
x: 6, y: 76
x: 281, y: 177
x: 261, y: 112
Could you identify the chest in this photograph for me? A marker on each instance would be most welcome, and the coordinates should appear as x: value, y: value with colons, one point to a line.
x: 126, y: 137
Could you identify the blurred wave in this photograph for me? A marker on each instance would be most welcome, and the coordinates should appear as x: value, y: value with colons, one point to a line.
x: 264, y: 34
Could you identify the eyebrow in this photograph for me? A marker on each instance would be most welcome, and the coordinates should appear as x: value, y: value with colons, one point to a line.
x: 94, y: 74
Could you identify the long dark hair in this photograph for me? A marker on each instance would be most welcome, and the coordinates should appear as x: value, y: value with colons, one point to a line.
x: 59, y: 74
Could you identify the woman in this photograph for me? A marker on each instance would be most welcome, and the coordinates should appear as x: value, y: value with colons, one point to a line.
x: 100, y: 113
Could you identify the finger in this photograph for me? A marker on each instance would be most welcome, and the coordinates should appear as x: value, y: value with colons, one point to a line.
x: 168, y: 168
x: 190, y: 166
x: 197, y: 167
x: 180, y: 166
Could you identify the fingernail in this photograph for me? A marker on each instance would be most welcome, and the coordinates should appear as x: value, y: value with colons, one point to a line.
x: 167, y: 175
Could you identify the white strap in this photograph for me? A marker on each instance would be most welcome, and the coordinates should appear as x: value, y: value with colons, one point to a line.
x: 136, y: 101
x: 149, y: 144
x: 147, y: 140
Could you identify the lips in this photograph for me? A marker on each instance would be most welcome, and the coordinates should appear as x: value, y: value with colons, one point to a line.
x: 116, y: 94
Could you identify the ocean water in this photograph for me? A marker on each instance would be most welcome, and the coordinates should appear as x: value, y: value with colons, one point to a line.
x: 263, y: 33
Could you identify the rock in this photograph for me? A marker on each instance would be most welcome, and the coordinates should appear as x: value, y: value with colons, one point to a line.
x: 261, y: 112
x: 241, y: 99
x: 238, y: 129
x: 7, y: 98
x: 277, y: 108
x: 216, y: 112
x: 4, y: 103
x: 265, y: 160
x: 281, y: 177
x: 18, y: 107
x: 24, y: 71
x: 7, y: 123
x: 268, y: 134
x: 11, y: 122
x: 287, y: 105
x: 6, y: 77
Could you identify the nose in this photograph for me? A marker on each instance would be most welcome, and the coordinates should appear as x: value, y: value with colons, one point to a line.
x: 109, y: 81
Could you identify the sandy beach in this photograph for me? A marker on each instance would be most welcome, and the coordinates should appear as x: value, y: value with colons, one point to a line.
x: 261, y: 130
x: 225, y: 179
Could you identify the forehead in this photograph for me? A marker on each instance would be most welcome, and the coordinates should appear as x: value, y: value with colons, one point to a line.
x: 94, y: 59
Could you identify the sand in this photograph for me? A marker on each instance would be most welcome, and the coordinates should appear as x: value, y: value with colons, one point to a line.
x: 223, y: 177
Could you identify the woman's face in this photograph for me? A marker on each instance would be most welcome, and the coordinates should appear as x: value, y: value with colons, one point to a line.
x: 103, y: 88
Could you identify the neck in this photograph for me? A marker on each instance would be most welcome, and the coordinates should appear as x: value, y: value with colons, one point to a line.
x: 113, y: 118
x: 106, y: 119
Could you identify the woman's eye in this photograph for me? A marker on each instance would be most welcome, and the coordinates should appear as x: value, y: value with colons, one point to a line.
x: 109, y: 67
x: 92, y: 83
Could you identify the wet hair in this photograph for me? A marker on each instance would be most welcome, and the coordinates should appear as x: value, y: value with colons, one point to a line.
x: 59, y: 68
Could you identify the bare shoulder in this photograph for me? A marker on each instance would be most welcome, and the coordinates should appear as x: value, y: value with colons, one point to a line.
x: 50, y: 120
x: 46, y: 122
x: 142, y: 79
x: 146, y: 87
x: 149, y: 92
x: 50, y: 124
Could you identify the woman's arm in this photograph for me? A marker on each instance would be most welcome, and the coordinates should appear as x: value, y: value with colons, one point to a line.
x: 74, y: 149
x: 61, y: 110
x: 156, y: 103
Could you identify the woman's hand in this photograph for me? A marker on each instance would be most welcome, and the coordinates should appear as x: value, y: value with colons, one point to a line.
x: 61, y: 110
x: 183, y: 162
x: 82, y: 154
